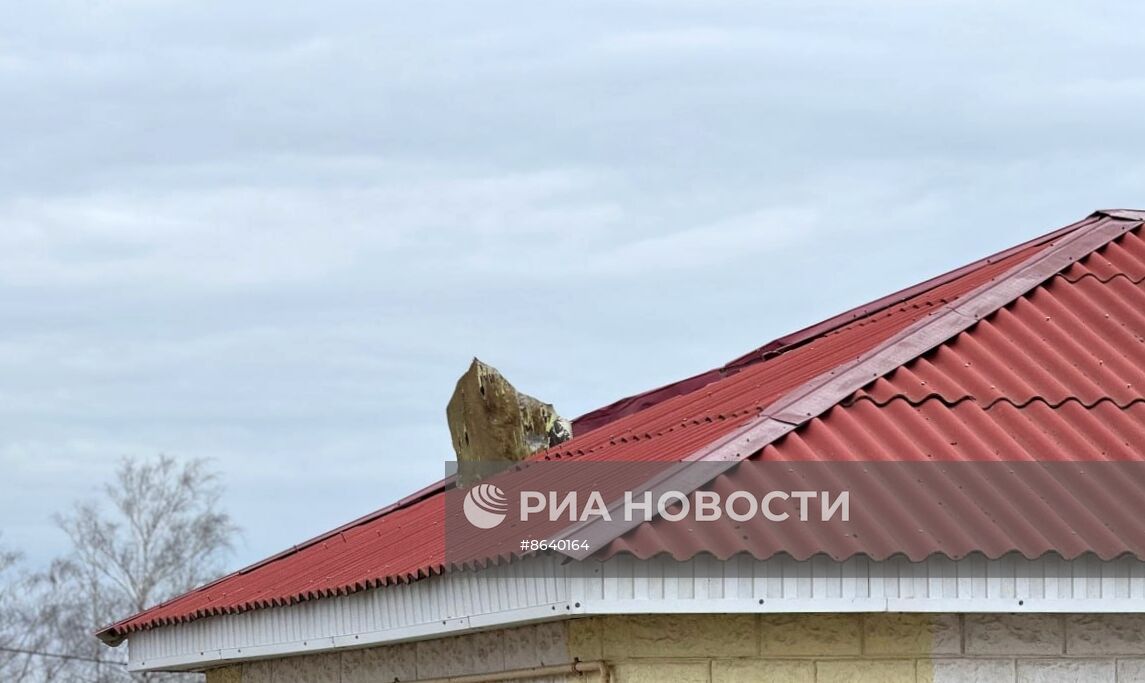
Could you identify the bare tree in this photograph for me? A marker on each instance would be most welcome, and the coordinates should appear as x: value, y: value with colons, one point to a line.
x: 9, y: 621
x: 23, y: 640
x: 44, y: 630
x: 156, y: 532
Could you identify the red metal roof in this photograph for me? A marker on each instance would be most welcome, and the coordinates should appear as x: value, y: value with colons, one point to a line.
x: 1052, y: 393
x: 1057, y: 375
x: 920, y: 293
x: 678, y: 426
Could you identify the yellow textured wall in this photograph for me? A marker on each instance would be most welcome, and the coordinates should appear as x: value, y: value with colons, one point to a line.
x: 228, y: 674
x: 729, y: 648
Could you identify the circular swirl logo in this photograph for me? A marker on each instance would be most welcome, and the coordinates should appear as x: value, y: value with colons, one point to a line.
x: 485, y: 506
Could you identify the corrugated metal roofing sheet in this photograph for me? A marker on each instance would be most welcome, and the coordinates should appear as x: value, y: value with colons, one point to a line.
x: 632, y: 404
x: 921, y: 509
x: 1057, y: 375
x: 678, y: 426
x: 1078, y: 337
x: 405, y: 542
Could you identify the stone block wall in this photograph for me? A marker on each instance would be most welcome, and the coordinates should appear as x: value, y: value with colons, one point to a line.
x: 525, y: 647
x: 728, y: 648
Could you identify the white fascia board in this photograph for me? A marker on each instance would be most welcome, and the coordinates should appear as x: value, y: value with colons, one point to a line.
x: 447, y: 627
x: 543, y: 589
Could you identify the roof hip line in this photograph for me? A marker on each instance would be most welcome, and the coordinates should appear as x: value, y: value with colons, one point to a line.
x: 815, y: 397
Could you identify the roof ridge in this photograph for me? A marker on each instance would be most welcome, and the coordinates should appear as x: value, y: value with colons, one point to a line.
x: 948, y: 320
x: 1126, y: 214
x: 815, y: 397
x: 635, y: 403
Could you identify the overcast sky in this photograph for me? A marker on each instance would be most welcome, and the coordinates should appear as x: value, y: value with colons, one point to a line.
x: 274, y: 236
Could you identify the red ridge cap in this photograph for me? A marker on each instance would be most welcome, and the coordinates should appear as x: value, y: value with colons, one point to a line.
x: 633, y: 404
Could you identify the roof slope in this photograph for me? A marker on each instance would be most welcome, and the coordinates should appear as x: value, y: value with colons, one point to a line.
x: 697, y: 416
x: 1055, y: 376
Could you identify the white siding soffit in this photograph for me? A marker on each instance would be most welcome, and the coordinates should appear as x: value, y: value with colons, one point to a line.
x: 543, y: 588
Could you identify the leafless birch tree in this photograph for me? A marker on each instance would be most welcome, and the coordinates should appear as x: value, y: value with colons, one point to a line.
x: 9, y: 628
x: 157, y: 530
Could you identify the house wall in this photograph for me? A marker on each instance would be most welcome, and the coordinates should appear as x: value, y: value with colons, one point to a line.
x: 523, y: 647
x: 792, y: 648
